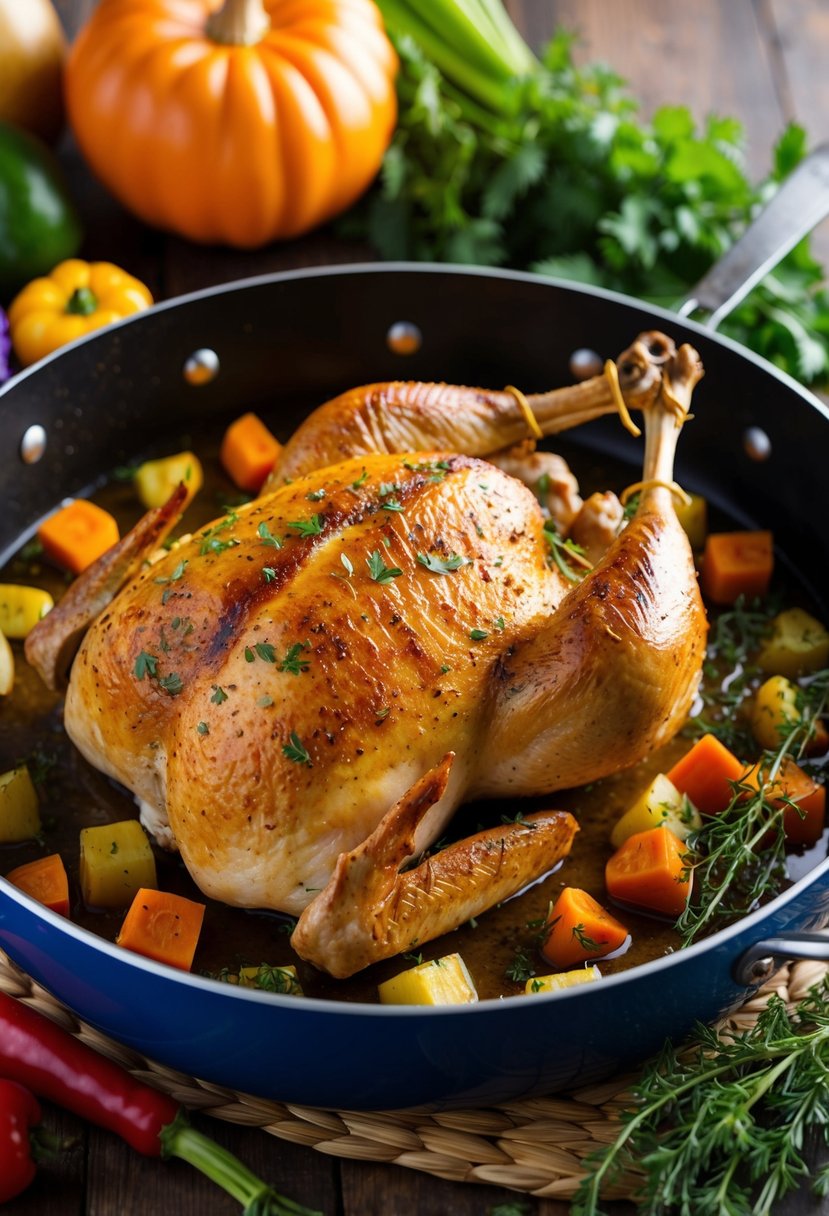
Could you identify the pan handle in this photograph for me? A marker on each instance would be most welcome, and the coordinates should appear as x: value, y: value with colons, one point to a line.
x: 763, y: 958
x: 801, y: 202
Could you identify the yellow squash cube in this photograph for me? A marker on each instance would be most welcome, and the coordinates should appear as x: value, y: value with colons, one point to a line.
x: 271, y: 979
x: 116, y: 861
x: 694, y: 518
x: 443, y: 981
x: 774, y: 712
x: 6, y: 666
x: 19, y: 806
x: 565, y: 979
x: 661, y: 805
x: 155, y: 480
x: 21, y: 608
x: 798, y: 644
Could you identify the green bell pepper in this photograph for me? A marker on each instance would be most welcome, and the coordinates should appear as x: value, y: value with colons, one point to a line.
x: 39, y: 226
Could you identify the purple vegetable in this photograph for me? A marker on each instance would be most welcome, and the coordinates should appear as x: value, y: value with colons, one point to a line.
x: 5, y: 348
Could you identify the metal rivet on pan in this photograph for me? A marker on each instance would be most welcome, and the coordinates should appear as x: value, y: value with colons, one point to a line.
x: 761, y: 969
x: 33, y: 444
x: 404, y: 338
x: 202, y: 366
x: 585, y: 363
x: 756, y: 443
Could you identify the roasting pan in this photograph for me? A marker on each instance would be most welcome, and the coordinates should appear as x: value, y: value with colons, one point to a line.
x: 280, y: 345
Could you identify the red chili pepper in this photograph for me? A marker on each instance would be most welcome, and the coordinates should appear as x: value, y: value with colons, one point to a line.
x: 52, y: 1064
x: 19, y: 1111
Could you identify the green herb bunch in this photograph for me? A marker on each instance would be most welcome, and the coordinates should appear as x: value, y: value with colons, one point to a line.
x: 504, y: 159
x: 719, y: 1128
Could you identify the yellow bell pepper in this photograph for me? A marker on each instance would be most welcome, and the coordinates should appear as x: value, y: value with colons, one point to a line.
x: 6, y: 666
x: 74, y: 299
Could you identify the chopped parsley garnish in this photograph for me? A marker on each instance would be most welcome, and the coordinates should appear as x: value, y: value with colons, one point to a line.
x: 478, y: 635
x: 266, y: 652
x: 308, y: 527
x: 349, y: 569
x: 442, y: 565
x: 355, y: 485
x: 211, y: 541
x: 219, y: 695
x: 172, y: 684
x: 382, y: 714
x: 391, y: 504
x: 499, y: 624
x: 295, y: 750
x: 292, y: 662
x: 146, y: 665
x: 203, y: 728
x: 379, y: 571
x: 267, y: 537
x: 387, y: 488
x: 176, y: 575
x: 264, y: 701
x: 268, y: 574
x: 315, y: 495
x: 520, y: 969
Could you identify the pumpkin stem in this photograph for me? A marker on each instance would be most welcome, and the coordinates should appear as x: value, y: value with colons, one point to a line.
x: 239, y: 23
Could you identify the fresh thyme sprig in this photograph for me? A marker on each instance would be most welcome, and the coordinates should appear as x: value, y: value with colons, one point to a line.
x: 566, y: 554
x: 719, y: 1126
x: 739, y: 854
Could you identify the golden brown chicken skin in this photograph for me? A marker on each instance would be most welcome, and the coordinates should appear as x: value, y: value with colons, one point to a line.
x: 274, y: 702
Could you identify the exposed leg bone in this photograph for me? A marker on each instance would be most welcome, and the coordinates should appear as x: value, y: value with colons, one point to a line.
x: 412, y: 417
x: 613, y: 673
x: 370, y: 911
x: 51, y: 645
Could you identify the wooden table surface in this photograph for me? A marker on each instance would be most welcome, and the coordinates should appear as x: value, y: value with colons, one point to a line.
x: 762, y: 61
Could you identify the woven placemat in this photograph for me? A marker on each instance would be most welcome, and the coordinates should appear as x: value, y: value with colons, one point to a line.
x: 537, y: 1146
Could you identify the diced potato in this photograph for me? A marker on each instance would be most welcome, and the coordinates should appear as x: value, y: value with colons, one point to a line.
x: 155, y: 480
x: 21, y: 608
x: 6, y: 666
x: 116, y: 861
x: 694, y: 518
x: 797, y: 645
x: 443, y: 981
x: 566, y: 979
x: 660, y: 805
x: 271, y: 979
x: 19, y: 806
x: 774, y: 712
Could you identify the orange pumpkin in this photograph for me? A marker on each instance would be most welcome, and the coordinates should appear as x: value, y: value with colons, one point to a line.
x: 236, y: 123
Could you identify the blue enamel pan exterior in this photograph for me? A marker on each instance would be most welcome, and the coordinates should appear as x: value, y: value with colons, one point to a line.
x: 286, y: 343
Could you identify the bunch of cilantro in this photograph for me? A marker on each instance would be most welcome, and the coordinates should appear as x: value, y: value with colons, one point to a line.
x: 503, y: 159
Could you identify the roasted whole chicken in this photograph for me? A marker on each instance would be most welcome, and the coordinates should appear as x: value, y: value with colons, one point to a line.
x: 300, y: 695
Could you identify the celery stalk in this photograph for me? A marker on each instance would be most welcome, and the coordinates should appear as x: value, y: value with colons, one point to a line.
x: 465, y: 43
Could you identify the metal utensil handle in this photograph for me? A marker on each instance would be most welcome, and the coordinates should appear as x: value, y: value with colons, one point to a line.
x: 761, y: 959
x: 798, y: 206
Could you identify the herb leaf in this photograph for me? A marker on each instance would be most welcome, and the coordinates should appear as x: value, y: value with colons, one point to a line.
x: 379, y: 571
x: 442, y: 565
x: 308, y: 527
x: 296, y: 751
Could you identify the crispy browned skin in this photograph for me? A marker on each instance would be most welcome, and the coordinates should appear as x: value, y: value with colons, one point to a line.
x: 269, y: 705
x: 393, y: 680
x: 370, y: 910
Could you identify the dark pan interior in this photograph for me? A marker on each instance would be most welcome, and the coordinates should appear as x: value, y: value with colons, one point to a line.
x: 287, y: 343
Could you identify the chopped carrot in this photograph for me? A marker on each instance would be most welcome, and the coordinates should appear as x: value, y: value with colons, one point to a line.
x: 249, y: 452
x: 78, y: 534
x: 579, y: 930
x: 801, y: 825
x: 45, y: 880
x: 162, y: 926
x: 735, y: 564
x: 650, y: 872
x: 705, y: 774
